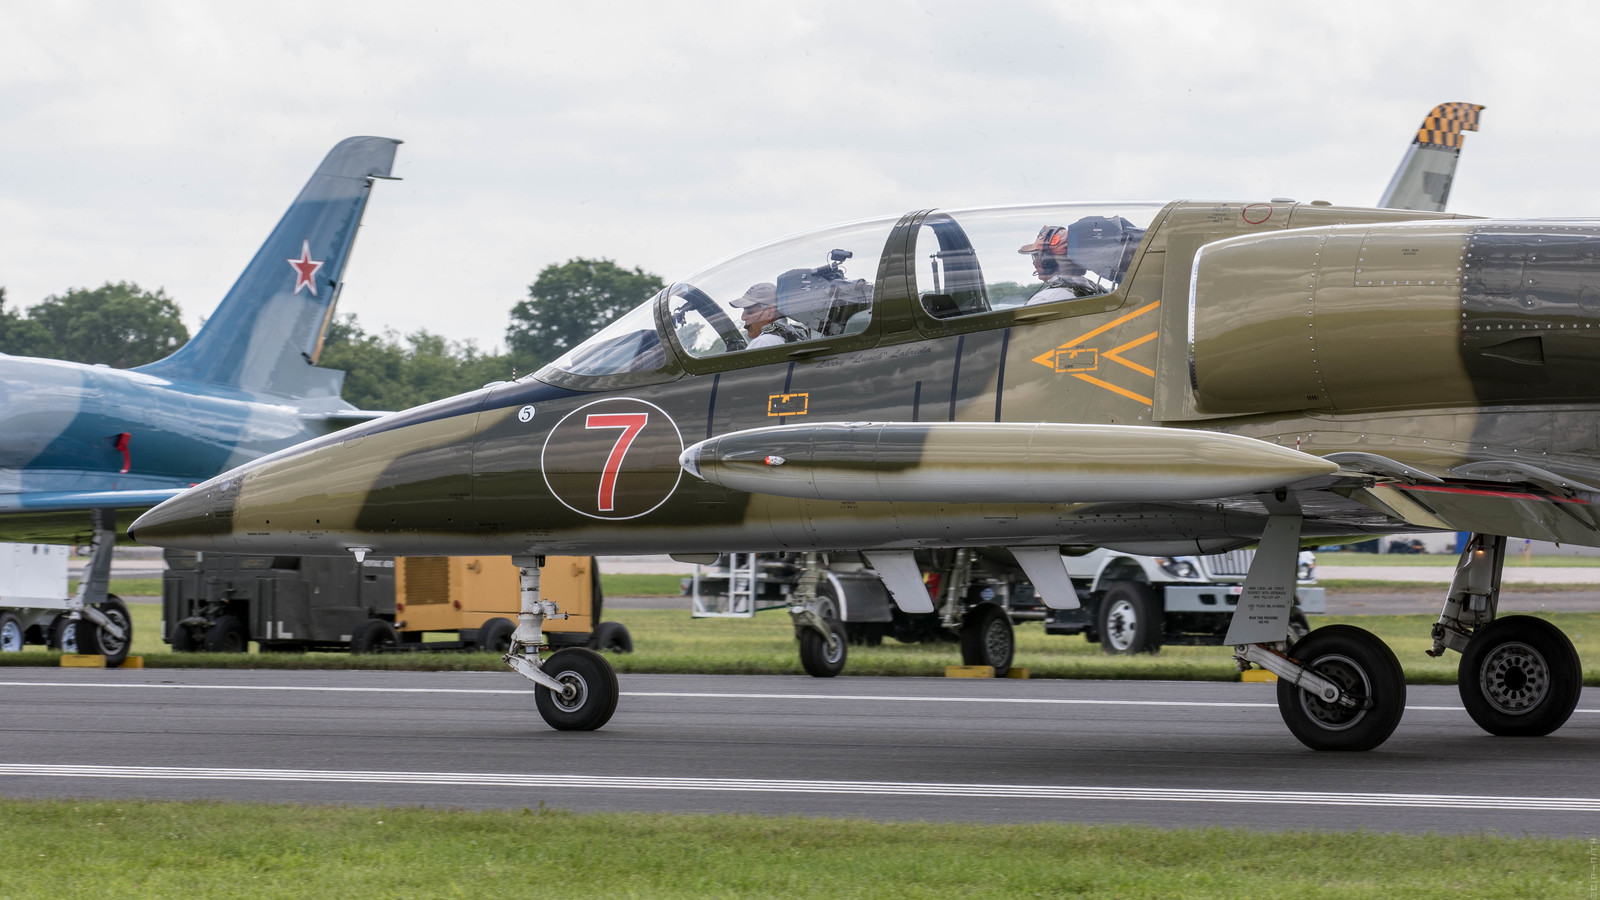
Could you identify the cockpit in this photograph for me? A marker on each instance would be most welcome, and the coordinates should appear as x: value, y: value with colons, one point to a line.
x: 845, y: 286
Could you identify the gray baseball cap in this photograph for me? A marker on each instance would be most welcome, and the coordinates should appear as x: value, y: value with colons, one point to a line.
x: 763, y: 293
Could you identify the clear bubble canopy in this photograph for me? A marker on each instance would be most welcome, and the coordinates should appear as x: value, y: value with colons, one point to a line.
x: 824, y: 282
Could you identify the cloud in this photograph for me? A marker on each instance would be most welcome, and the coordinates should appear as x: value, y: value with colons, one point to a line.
x: 157, y: 142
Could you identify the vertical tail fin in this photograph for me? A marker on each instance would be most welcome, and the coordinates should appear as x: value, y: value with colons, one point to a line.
x: 267, y: 333
x: 1423, y: 180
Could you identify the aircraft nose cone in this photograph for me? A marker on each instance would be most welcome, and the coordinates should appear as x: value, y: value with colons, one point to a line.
x: 192, y: 520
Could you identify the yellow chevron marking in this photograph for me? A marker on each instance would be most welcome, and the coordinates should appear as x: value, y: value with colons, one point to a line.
x: 1115, y: 355
x: 1048, y: 359
x: 1115, y: 390
x: 1076, y: 362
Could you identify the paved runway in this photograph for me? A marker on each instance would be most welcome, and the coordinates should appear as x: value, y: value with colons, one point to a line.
x: 1174, y: 754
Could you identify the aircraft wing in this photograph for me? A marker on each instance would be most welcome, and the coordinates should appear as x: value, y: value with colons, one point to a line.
x: 997, y: 462
x: 1423, y: 180
x: 334, y: 421
x: 980, y: 462
x: 63, y: 516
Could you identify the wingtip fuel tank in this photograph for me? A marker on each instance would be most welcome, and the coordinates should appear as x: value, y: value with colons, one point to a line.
x: 989, y: 462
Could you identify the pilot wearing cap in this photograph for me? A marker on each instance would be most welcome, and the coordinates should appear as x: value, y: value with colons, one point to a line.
x: 1063, y: 278
x: 763, y: 321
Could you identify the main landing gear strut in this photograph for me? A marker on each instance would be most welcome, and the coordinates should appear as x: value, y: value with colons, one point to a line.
x: 98, y: 621
x: 576, y: 687
x: 1339, y: 687
x: 1519, y: 676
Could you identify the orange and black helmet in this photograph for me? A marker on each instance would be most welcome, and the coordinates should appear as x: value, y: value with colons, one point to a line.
x: 1051, y: 239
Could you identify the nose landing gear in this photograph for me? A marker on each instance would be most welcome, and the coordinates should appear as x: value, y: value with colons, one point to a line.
x: 577, y: 688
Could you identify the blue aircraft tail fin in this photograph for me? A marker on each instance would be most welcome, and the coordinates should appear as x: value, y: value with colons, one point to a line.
x: 267, y: 333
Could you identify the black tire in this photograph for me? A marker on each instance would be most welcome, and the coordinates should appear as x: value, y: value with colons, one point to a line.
x: 495, y: 635
x: 595, y: 689
x: 226, y: 635
x: 827, y: 605
x: 1520, y: 677
x: 1130, y: 619
x: 815, y: 657
x: 64, y: 634
x: 374, y: 636
x: 1364, y: 667
x: 1299, y: 626
x: 10, y: 633
x: 987, y: 639
x: 611, y: 637
x: 183, y: 639
x: 93, y: 641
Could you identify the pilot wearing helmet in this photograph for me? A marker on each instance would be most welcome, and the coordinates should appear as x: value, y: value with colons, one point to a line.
x: 763, y: 322
x: 1063, y: 278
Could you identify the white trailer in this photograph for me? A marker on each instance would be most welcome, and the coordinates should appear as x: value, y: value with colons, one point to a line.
x: 36, y: 608
x: 33, y: 595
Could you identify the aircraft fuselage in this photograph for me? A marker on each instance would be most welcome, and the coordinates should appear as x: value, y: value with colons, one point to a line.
x: 1271, y: 335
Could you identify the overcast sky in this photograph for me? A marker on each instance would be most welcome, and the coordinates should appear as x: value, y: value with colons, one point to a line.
x: 158, y: 142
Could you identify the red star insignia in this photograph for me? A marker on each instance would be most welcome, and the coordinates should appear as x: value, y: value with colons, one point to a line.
x: 304, y: 268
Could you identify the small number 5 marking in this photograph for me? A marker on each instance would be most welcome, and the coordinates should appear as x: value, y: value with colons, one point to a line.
x: 631, y: 424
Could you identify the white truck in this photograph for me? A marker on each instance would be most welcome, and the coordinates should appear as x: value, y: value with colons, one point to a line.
x: 1130, y: 604
x: 1135, y: 604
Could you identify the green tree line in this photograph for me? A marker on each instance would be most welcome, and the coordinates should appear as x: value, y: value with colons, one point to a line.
x: 122, y: 325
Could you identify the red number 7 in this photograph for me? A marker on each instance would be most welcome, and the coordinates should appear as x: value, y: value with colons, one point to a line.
x: 631, y: 424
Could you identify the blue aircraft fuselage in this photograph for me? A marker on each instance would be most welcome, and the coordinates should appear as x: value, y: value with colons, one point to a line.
x: 71, y: 427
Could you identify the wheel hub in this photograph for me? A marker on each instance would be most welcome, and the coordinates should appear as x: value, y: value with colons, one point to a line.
x: 1515, y: 678
x: 1120, y: 623
x: 994, y: 639
x: 1352, y: 682
x: 109, y: 644
x: 833, y: 649
x: 574, y: 690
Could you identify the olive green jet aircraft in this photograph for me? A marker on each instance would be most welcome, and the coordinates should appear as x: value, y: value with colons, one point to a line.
x: 1187, y: 377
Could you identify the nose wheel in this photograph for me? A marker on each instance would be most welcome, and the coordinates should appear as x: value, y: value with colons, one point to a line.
x: 1520, y: 677
x: 588, y: 694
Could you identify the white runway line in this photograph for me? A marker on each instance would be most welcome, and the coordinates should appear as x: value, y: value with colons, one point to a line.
x: 795, y: 786
x: 704, y: 695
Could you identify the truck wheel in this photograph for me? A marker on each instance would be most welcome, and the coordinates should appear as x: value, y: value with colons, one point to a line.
x: 1520, y: 677
x: 1130, y: 619
x: 226, y: 635
x: 818, y: 660
x: 987, y: 639
x: 1363, y: 667
x: 92, y: 640
x: 495, y: 635
x: 611, y: 636
x: 183, y: 640
x: 64, y: 634
x: 10, y: 633
x: 374, y: 636
x: 594, y: 690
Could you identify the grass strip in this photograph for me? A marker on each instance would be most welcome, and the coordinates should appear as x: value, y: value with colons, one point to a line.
x: 670, y: 641
x: 62, y: 850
